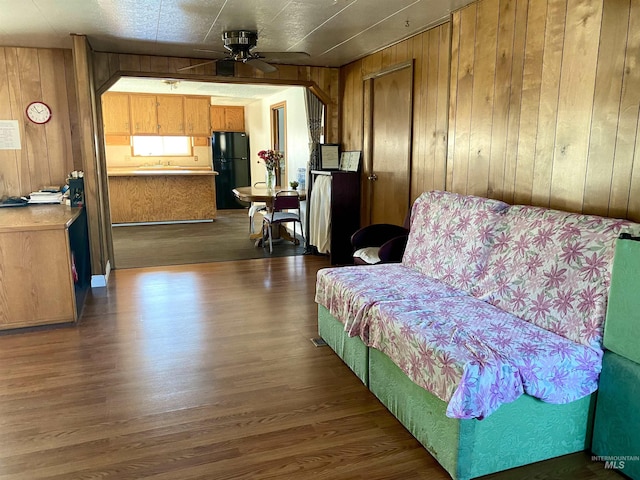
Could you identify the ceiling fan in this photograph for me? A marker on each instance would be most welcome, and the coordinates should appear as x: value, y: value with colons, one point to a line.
x: 240, y: 45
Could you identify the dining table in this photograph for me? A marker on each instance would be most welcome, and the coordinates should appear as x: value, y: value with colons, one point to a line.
x: 260, y: 193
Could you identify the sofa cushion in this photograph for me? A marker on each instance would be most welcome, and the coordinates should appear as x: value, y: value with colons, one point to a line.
x: 451, y: 235
x: 476, y: 357
x: 552, y: 269
x: 349, y: 292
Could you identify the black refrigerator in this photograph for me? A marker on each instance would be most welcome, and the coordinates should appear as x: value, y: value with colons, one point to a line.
x: 231, y: 161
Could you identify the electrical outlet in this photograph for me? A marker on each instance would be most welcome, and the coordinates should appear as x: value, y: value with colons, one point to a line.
x: 195, y: 158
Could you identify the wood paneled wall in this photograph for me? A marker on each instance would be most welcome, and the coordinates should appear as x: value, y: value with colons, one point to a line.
x: 544, y: 104
x: 107, y: 65
x: 50, y: 151
x: 430, y: 54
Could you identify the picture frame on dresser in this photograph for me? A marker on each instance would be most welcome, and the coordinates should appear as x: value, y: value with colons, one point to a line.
x: 329, y: 156
x: 350, y: 161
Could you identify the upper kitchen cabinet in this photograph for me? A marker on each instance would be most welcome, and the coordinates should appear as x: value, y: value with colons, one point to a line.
x: 171, y: 115
x: 115, y: 112
x: 196, y: 115
x: 144, y: 114
x: 227, y: 118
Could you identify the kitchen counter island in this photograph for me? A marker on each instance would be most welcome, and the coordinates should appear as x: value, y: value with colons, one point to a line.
x: 161, y: 194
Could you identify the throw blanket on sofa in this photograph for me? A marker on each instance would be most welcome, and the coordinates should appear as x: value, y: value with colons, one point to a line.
x: 490, y: 302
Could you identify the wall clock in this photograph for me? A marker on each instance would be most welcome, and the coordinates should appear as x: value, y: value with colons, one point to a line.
x: 39, y: 112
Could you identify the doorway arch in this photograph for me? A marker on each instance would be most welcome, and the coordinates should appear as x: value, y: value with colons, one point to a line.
x: 107, y: 68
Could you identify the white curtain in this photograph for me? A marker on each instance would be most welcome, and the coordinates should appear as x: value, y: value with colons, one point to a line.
x: 320, y: 214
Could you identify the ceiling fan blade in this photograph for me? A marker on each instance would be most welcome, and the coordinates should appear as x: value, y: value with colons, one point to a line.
x: 283, y: 55
x: 260, y: 65
x: 216, y: 53
x: 183, y: 69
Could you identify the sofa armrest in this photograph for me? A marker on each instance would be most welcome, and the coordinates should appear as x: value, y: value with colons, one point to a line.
x: 393, y: 250
x: 375, y: 235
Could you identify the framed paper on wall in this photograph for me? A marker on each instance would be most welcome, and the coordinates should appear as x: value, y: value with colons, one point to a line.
x: 350, y: 161
x: 329, y: 156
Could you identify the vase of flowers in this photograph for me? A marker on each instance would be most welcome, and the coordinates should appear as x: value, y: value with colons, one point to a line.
x: 271, y: 159
x: 270, y: 178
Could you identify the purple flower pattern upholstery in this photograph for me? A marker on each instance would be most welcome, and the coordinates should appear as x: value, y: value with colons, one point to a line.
x: 490, y: 301
x: 451, y: 235
x: 350, y: 292
x: 476, y: 357
x: 553, y: 269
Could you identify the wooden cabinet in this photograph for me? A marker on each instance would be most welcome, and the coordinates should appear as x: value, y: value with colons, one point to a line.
x: 44, y: 265
x: 196, y: 116
x: 144, y: 114
x: 141, y: 114
x: 234, y: 118
x: 344, y: 210
x: 115, y: 113
x: 162, y: 196
x: 171, y: 115
x: 227, y: 118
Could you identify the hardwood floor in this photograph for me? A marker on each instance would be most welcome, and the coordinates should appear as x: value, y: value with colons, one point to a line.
x: 227, y: 238
x: 205, y: 371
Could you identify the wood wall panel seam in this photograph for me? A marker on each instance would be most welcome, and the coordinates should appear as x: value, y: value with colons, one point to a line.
x: 453, y: 91
x: 606, y: 109
x: 549, y: 101
x: 627, y: 121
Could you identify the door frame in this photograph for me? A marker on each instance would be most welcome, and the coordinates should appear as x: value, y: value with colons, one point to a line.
x: 273, y: 109
x: 367, y: 138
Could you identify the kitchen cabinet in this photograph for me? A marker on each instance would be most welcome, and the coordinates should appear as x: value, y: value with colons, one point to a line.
x: 164, y: 194
x: 171, y: 115
x: 227, y: 118
x: 115, y: 113
x: 196, y: 116
x: 144, y: 114
x: 44, y: 265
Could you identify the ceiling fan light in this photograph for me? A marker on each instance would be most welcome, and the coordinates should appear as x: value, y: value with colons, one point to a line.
x: 240, y: 39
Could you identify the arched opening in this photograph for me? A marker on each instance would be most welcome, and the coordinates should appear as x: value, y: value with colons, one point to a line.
x: 259, y: 133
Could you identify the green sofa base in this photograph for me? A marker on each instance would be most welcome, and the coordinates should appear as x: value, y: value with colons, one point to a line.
x: 351, y: 350
x: 518, y: 433
x: 616, y: 435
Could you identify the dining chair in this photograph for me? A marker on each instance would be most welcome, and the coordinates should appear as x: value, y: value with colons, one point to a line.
x: 256, y: 207
x: 283, y: 203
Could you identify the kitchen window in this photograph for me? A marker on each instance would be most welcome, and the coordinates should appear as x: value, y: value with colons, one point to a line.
x: 161, y: 146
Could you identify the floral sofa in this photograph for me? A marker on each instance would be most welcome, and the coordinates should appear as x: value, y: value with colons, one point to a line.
x: 486, y: 341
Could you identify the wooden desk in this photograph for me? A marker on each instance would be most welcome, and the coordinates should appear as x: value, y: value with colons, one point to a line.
x: 261, y: 194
